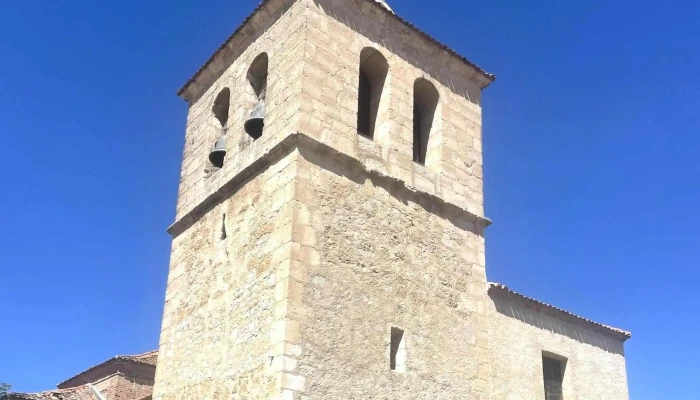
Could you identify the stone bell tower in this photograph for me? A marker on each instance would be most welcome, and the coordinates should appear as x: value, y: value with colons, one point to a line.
x: 328, y: 240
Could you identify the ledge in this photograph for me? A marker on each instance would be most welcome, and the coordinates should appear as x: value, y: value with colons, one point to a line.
x: 280, y: 150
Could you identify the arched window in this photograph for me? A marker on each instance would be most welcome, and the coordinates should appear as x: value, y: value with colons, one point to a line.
x: 425, y: 101
x: 220, y: 109
x: 257, y: 78
x: 221, y: 106
x: 373, y: 72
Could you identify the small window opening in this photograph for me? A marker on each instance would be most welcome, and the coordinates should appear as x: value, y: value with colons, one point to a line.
x: 373, y: 72
x: 397, y: 355
x: 224, y: 235
x: 257, y: 78
x: 363, y: 108
x: 425, y: 101
x: 553, y: 372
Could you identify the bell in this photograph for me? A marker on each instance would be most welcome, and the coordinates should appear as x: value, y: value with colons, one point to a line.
x: 254, y: 125
x: 219, y: 152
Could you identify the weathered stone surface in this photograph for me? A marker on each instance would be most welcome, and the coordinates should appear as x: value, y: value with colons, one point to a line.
x: 223, y: 326
x: 385, y: 260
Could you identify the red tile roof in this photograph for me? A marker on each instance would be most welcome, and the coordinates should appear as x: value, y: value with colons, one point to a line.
x: 83, y: 392
x: 605, y: 328
x: 148, y: 358
x: 488, y: 76
x: 77, y: 393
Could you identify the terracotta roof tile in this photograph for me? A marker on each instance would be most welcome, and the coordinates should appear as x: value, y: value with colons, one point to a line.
x: 77, y: 393
x: 149, y: 358
x: 384, y: 7
x: 605, y: 328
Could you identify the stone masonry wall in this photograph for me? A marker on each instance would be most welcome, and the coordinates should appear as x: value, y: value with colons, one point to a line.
x: 519, y: 334
x: 122, y: 387
x: 223, y: 327
x: 383, y: 252
x: 384, y: 256
x: 264, y: 313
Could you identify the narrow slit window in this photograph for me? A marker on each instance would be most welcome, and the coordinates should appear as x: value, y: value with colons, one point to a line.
x: 553, y: 372
x: 425, y: 102
x: 224, y: 235
x: 397, y: 354
x: 373, y: 73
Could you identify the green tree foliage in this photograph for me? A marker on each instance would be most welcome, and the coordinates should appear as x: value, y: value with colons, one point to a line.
x: 4, y: 390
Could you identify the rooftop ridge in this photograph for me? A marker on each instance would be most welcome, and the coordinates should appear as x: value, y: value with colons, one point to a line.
x: 149, y: 357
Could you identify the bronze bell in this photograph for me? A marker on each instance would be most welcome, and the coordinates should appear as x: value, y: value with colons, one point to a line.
x: 254, y: 125
x: 219, y: 152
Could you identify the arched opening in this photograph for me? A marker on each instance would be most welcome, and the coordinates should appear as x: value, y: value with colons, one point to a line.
x: 373, y: 72
x: 257, y: 78
x: 425, y: 101
x: 221, y: 106
x: 220, y: 109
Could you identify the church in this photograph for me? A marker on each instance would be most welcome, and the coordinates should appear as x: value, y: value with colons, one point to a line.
x: 329, y: 237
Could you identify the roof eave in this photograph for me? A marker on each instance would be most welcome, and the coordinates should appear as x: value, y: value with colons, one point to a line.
x: 483, y: 79
x: 609, y: 330
x: 102, y: 365
x: 183, y: 92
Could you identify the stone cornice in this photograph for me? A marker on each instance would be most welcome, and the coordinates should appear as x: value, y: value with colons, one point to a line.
x: 303, y: 143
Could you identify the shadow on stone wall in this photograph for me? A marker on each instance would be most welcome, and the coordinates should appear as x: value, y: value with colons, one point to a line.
x: 370, y: 21
x: 539, y: 318
x: 354, y: 170
x: 340, y: 164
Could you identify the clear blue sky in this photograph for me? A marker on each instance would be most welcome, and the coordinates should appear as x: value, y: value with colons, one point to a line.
x: 592, y: 151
